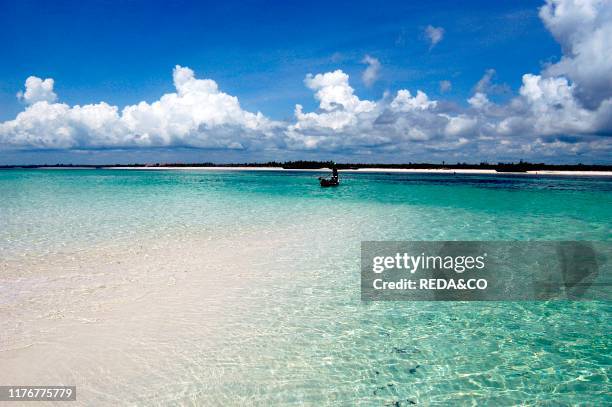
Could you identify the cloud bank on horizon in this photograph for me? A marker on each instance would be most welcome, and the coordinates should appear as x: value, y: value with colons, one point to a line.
x: 564, y: 110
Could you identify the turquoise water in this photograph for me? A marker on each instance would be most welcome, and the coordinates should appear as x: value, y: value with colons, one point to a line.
x: 47, y: 209
x: 306, y: 337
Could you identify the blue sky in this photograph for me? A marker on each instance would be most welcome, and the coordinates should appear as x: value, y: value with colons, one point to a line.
x: 123, y: 53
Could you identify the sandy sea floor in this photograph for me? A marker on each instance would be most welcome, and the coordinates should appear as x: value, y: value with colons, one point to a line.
x: 116, y: 320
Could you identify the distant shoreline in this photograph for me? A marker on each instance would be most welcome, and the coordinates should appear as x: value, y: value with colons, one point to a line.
x: 379, y: 170
x: 464, y: 171
x: 520, y: 168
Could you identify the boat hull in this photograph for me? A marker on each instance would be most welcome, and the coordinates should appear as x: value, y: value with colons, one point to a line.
x: 325, y: 182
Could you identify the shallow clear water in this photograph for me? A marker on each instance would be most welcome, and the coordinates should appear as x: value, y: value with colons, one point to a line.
x: 46, y: 209
x: 297, y: 332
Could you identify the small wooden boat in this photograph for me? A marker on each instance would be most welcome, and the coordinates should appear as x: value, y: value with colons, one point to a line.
x: 334, y: 181
x: 329, y: 182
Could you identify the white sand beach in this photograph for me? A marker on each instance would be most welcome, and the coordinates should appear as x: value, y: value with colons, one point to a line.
x: 375, y: 170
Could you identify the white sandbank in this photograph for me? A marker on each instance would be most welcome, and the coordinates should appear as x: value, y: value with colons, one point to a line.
x: 379, y: 170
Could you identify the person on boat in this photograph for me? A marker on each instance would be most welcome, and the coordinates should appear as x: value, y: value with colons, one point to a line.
x: 335, y: 173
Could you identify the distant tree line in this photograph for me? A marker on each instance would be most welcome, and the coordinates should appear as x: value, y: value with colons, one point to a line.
x: 521, y: 166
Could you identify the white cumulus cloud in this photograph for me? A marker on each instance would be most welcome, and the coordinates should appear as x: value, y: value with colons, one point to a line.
x: 37, y: 90
x: 404, y: 101
x: 198, y: 114
x: 584, y: 30
x: 339, y: 106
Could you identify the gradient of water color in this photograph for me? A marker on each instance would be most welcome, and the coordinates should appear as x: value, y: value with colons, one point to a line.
x: 273, y: 260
